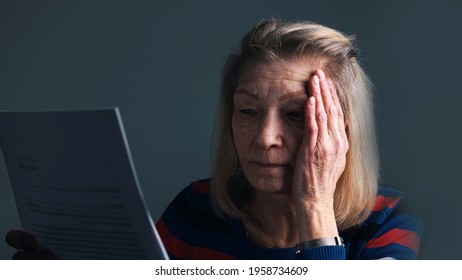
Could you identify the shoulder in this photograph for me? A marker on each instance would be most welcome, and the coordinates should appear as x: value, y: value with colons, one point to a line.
x: 386, y: 202
x: 200, y: 187
x: 192, y: 199
x: 189, y: 224
x: 393, y: 206
x: 196, y: 195
x: 391, y: 230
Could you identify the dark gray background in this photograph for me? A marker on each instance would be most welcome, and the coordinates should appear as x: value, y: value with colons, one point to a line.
x: 160, y: 62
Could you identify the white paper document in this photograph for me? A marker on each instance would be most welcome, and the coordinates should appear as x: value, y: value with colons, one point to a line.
x: 75, y: 184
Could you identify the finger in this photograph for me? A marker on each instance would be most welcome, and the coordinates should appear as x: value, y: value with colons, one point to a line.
x: 21, y: 240
x: 22, y: 255
x: 42, y: 254
x: 340, y: 115
x: 311, y: 126
x: 320, y: 113
x: 45, y: 254
x: 328, y: 101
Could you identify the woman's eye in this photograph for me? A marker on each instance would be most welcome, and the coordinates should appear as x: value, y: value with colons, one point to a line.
x: 298, y: 115
x: 247, y: 111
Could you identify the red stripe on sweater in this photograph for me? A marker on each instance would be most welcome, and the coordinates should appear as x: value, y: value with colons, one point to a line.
x: 382, y: 202
x: 202, y: 187
x: 181, y: 250
x: 398, y: 236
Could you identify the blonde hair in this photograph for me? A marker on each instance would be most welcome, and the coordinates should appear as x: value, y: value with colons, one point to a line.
x: 273, y: 40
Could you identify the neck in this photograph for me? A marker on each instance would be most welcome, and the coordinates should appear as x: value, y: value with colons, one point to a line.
x: 271, y: 221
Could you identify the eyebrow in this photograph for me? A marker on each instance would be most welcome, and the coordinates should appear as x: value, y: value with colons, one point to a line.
x: 246, y: 92
x: 292, y: 95
x: 282, y: 98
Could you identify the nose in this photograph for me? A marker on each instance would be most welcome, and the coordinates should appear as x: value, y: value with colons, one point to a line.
x: 270, y: 133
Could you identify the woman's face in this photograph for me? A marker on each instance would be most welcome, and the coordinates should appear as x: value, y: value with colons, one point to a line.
x: 268, y: 121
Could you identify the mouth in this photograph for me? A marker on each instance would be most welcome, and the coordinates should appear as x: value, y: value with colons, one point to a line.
x: 271, y: 165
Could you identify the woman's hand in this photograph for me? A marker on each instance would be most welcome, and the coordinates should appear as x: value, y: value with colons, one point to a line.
x: 320, y: 160
x: 27, y: 246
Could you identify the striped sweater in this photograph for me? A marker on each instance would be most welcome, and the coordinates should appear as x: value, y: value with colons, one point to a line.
x: 190, y: 230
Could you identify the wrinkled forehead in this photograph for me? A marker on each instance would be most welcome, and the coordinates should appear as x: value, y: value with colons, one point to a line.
x: 297, y: 70
x: 275, y: 80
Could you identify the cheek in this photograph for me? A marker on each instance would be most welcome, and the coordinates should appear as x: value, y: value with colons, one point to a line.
x: 298, y: 139
x: 240, y: 135
x: 245, y: 134
x: 293, y: 137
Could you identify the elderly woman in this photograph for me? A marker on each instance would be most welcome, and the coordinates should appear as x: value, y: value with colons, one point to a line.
x: 296, y: 169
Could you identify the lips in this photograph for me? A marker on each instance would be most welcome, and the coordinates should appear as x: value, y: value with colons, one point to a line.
x: 270, y: 164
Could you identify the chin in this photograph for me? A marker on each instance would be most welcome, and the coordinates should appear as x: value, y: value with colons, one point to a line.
x: 271, y: 185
